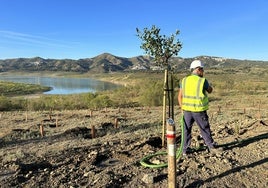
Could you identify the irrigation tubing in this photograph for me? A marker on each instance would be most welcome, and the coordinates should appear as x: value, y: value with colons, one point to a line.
x: 145, y: 161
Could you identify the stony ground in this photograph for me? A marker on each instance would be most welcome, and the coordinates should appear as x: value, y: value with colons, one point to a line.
x: 103, y: 148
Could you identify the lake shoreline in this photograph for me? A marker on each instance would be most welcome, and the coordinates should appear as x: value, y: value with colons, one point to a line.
x: 64, y: 83
x: 115, y: 78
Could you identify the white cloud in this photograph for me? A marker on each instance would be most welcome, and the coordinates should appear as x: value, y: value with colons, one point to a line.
x: 26, y: 39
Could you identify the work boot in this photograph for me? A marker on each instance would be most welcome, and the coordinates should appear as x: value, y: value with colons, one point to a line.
x: 188, y: 151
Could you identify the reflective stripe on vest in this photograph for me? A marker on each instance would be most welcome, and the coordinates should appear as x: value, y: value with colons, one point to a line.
x: 193, y: 98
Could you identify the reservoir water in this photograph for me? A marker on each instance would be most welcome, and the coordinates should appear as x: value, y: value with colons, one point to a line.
x: 63, y: 85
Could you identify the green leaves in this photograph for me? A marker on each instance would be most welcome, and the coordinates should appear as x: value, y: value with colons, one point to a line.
x: 159, y: 46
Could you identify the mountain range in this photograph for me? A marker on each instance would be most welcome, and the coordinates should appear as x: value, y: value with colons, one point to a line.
x: 106, y: 62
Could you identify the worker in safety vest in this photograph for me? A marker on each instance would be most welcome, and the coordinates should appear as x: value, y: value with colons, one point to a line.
x: 193, y: 101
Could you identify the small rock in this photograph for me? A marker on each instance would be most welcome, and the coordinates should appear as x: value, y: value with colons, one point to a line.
x: 148, y: 179
x: 86, y: 174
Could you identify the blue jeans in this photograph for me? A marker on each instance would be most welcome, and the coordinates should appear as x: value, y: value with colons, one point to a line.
x: 201, y: 119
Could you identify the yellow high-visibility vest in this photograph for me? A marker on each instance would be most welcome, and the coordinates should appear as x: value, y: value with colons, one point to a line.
x: 193, y: 98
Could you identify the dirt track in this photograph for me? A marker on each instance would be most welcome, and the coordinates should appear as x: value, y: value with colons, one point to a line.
x: 68, y: 156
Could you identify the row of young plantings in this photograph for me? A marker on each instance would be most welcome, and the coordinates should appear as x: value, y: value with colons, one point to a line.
x: 146, y: 93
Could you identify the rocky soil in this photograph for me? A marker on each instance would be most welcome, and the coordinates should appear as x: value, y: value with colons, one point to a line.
x: 103, y: 148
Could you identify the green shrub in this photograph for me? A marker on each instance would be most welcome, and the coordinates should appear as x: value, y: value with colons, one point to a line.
x: 100, y: 101
x: 151, y: 93
x: 4, y: 103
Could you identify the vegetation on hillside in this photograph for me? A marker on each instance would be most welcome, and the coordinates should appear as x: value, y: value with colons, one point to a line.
x: 106, y: 63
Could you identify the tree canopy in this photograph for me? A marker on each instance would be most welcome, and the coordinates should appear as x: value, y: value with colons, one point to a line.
x: 161, y: 47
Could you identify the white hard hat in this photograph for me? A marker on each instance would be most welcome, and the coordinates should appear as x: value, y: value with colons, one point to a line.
x: 196, y: 63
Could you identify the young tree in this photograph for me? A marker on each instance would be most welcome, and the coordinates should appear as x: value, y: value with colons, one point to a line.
x: 162, y: 48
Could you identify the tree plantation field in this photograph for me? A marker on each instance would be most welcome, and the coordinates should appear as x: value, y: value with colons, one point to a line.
x: 70, y: 141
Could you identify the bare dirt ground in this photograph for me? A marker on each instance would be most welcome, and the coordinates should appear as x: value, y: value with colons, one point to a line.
x: 68, y: 156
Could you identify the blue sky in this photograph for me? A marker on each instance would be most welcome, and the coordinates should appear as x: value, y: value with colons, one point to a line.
x: 77, y: 29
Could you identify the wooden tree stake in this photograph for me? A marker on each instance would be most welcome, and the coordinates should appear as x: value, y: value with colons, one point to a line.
x: 42, y: 129
x: 93, y: 131
x: 116, y: 123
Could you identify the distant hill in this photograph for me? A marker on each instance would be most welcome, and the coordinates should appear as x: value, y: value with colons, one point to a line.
x: 106, y: 62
